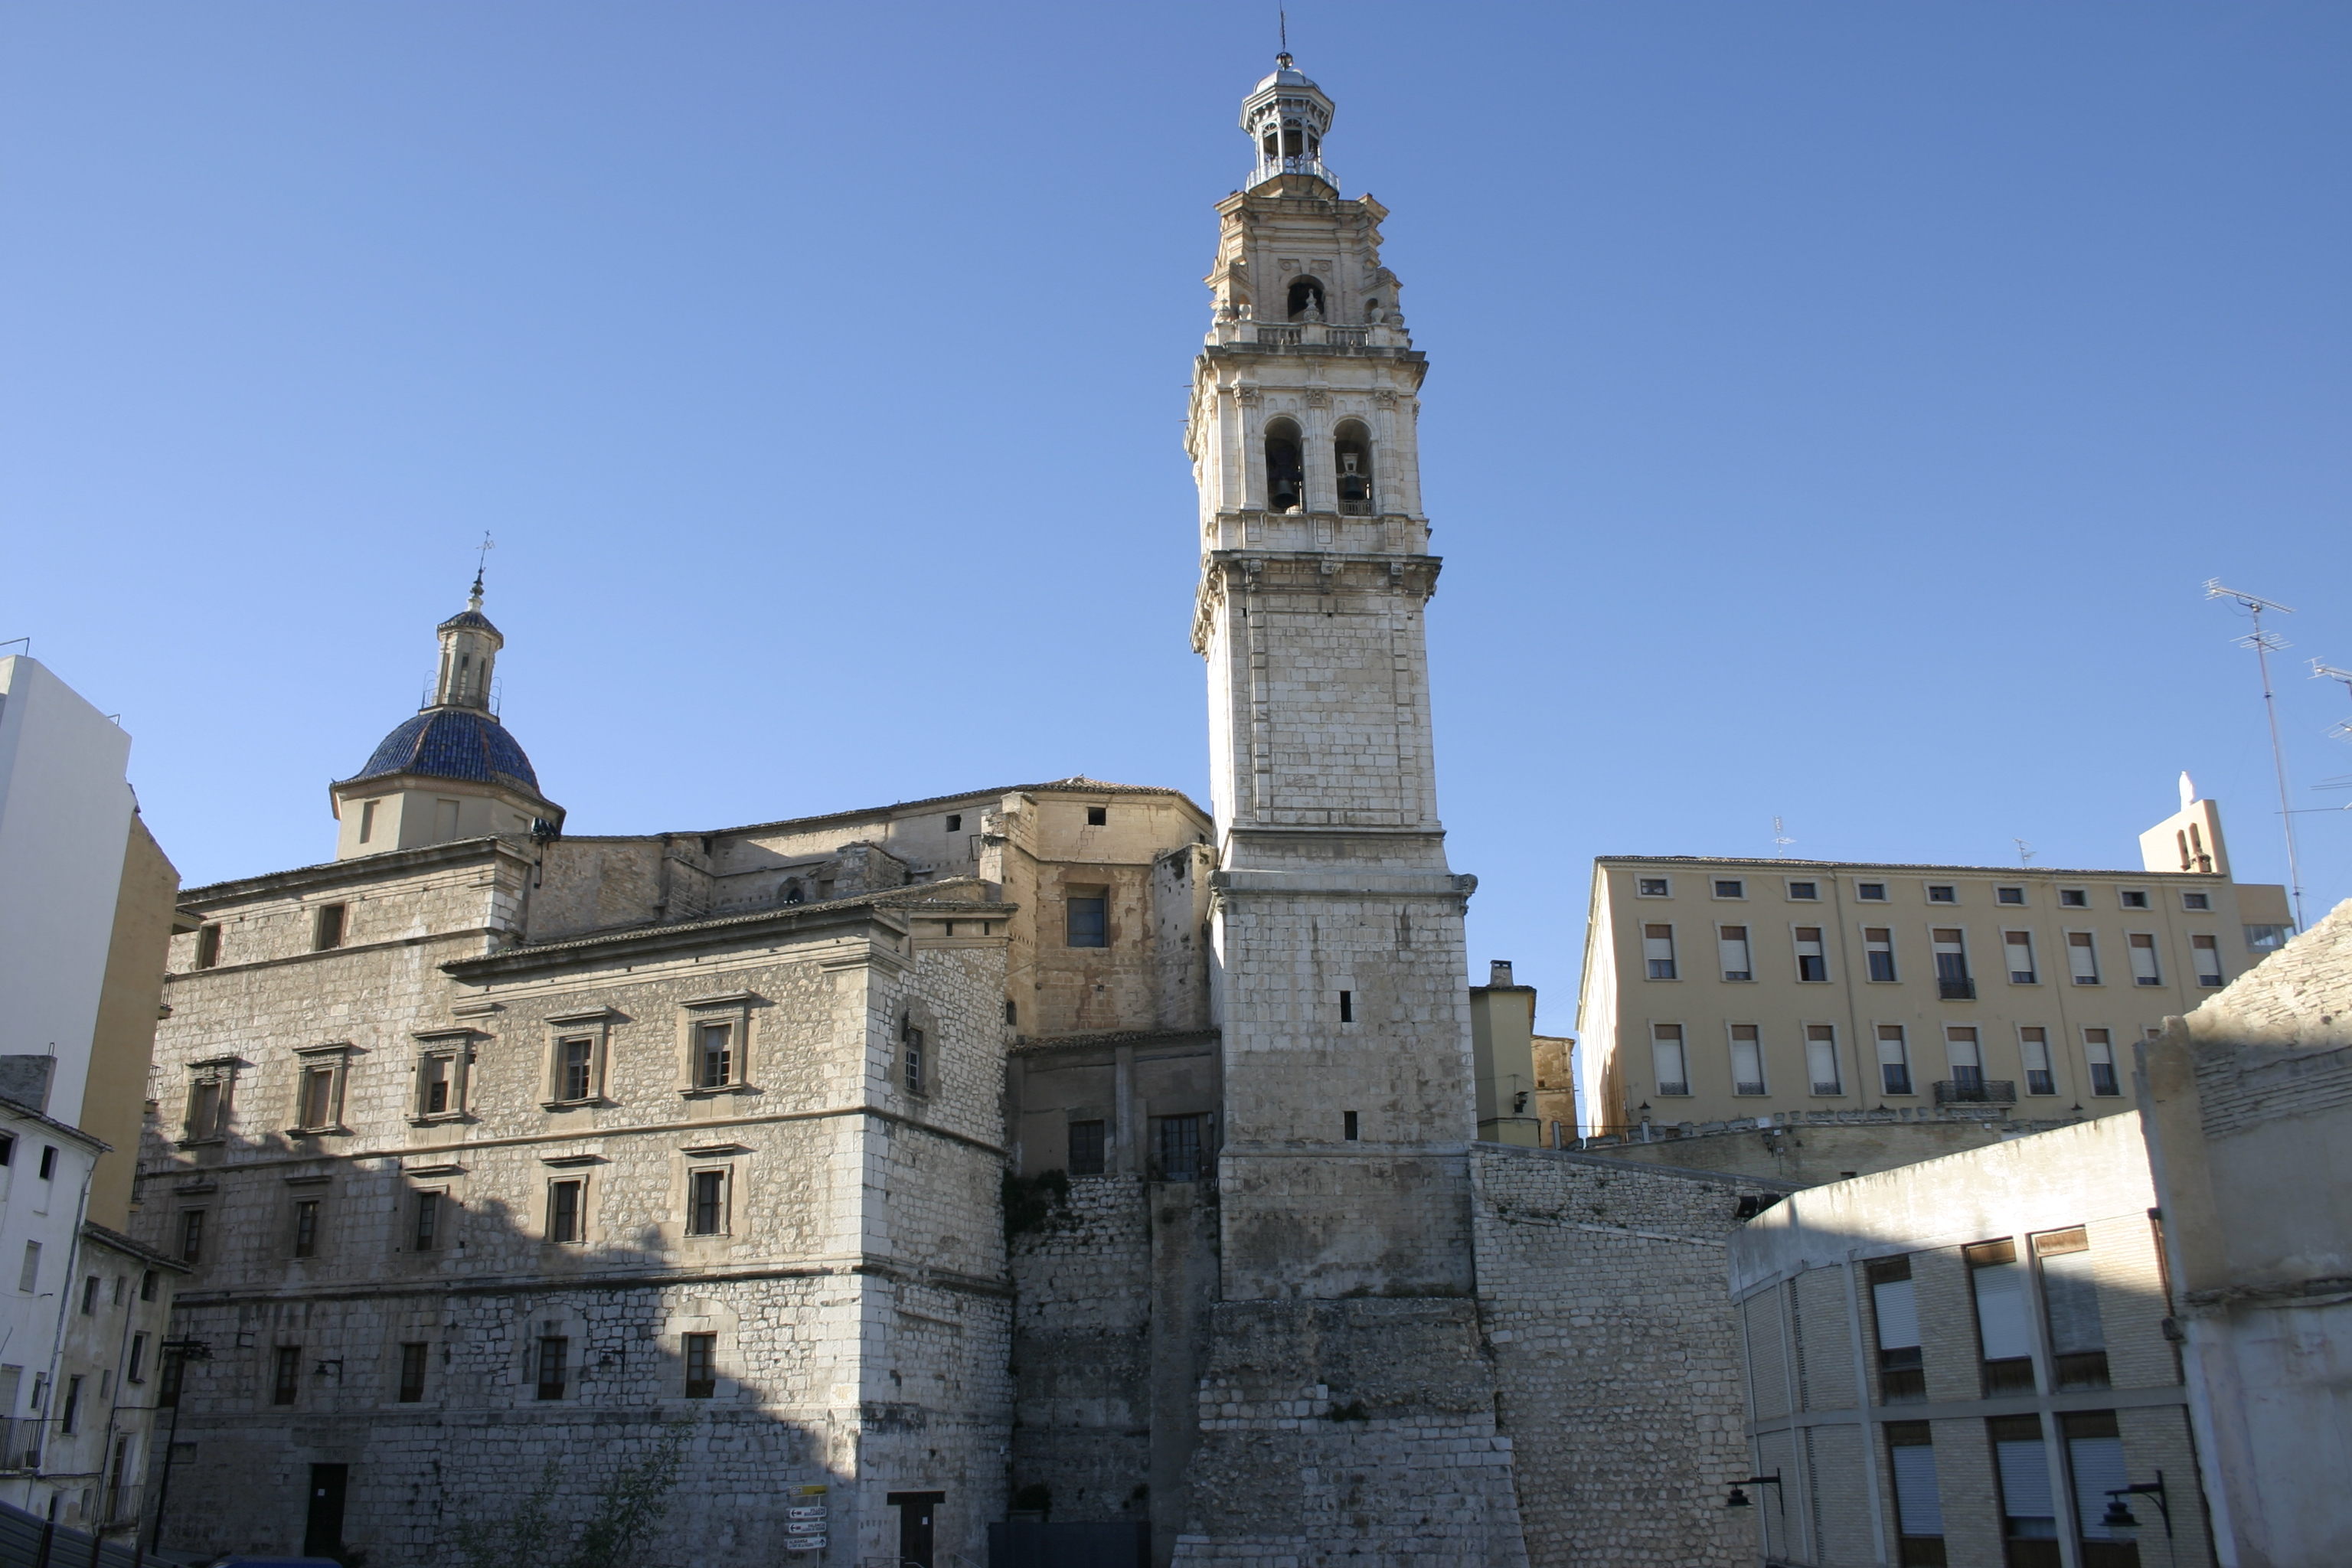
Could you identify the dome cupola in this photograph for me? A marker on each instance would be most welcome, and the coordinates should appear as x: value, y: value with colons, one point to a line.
x: 1286, y: 116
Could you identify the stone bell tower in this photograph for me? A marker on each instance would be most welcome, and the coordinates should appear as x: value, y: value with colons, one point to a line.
x: 1346, y: 1402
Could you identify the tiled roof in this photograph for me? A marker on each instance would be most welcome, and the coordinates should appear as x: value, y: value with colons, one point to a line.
x: 452, y: 743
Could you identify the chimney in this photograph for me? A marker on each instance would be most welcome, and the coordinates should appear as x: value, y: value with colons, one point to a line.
x: 1498, y: 972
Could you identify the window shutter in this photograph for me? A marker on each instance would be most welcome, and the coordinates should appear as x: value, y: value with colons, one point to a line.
x: 1918, y: 1510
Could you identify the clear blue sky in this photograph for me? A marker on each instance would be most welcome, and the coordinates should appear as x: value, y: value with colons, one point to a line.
x: 1835, y: 411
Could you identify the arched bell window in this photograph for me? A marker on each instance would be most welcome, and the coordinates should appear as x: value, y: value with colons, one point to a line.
x: 1352, y: 465
x: 1307, y: 300
x: 1286, y: 471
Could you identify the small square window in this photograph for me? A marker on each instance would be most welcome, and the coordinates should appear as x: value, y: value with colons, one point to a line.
x: 2196, y: 901
x: 2009, y: 895
x: 1729, y: 888
x: 1097, y: 815
x: 1652, y: 887
x: 2075, y: 898
x: 955, y: 824
x: 328, y: 933
x: 1871, y: 892
x: 2133, y: 899
x: 1943, y: 893
x: 1806, y: 891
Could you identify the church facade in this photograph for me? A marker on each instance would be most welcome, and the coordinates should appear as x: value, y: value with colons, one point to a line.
x: 1058, y: 1157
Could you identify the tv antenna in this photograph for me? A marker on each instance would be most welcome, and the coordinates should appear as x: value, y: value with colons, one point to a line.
x: 1781, y: 839
x: 2024, y: 851
x: 2264, y: 644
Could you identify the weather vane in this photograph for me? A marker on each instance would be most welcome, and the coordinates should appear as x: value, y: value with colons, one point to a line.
x: 482, y: 559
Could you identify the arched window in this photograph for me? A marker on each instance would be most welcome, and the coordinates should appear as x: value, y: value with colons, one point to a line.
x: 1286, y: 474
x: 792, y: 894
x: 1307, y: 300
x: 1351, y: 463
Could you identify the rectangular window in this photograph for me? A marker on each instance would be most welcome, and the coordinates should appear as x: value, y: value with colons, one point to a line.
x: 1086, y: 1148
x: 1895, y: 1305
x: 1807, y: 892
x: 1097, y: 815
x: 48, y: 1161
x: 2073, y: 898
x: 1918, y: 1507
x: 2207, y: 950
x: 1966, y: 1056
x: 1952, y: 981
x: 2196, y: 901
x: 207, y: 1101
x: 1180, y: 1148
x: 306, y: 1228
x: 134, y: 1366
x: 327, y: 928
x: 367, y: 820
x: 554, y: 1358
x: 1726, y: 888
x: 1347, y: 1007
x: 2082, y: 958
x: 1812, y: 959
x: 2019, y: 945
x: 575, y: 1069
x: 286, y: 1374
x: 436, y: 1084
x: 1747, y: 1060
x: 1087, y: 921
x: 706, y: 1204
x: 912, y: 1054
x: 1732, y: 941
x: 2004, y: 1331
x: 2009, y: 895
x: 445, y: 819
x: 1652, y: 887
x: 7, y: 1151
x: 1878, y: 945
x: 147, y: 1282
x: 317, y: 1109
x: 1667, y: 1056
x: 1894, y: 1060
x: 955, y: 823
x: 714, y: 1055
x: 1349, y: 1126
x: 2029, y: 1518
x: 412, y: 1373
x: 1658, y: 951
x: 167, y: 1386
x: 89, y: 1296
x: 2267, y: 938
x: 1871, y: 892
x: 2070, y: 1304
x: 424, y: 1230
x: 563, y: 1210
x: 2099, y: 1053
x: 702, y: 1367
x: 1943, y: 893
x: 2034, y: 1046
x: 2133, y: 899
x: 191, y: 1236
x: 208, y: 946
x: 2094, y: 1465
x: 69, y: 1419
x: 1822, y: 1058
x: 2141, y: 947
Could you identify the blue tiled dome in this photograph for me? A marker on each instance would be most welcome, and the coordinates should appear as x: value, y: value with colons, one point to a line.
x: 452, y: 743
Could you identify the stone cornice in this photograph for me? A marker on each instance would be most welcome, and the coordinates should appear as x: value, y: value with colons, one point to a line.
x: 367, y: 868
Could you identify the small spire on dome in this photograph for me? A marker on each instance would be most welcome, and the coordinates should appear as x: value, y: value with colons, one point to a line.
x: 481, y: 561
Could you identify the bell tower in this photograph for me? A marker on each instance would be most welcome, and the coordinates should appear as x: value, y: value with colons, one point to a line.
x: 1341, y: 987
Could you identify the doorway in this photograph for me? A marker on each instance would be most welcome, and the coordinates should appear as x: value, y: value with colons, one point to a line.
x: 914, y: 1526
x: 322, y: 1534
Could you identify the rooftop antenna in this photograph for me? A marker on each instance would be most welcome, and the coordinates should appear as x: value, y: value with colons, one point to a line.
x: 2024, y: 851
x: 2264, y: 644
x: 2329, y: 672
x: 1781, y: 839
x: 1282, y: 20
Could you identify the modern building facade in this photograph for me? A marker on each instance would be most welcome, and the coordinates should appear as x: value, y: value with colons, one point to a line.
x: 1502, y: 1060
x: 1731, y: 990
x: 87, y: 908
x: 1962, y: 1363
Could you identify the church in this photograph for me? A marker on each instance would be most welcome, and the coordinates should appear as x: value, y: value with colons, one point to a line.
x: 1055, y: 1166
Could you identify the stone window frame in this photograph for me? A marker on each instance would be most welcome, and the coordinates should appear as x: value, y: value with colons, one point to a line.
x: 724, y: 1159
x: 703, y: 1315
x: 335, y: 1058
x: 595, y: 1024
x: 694, y: 1012
x: 460, y: 1044
x: 914, y: 1032
x: 221, y: 1071
x: 577, y: 1168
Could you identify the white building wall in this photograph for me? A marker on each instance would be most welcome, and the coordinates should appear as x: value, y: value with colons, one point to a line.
x: 36, y: 1293
x: 64, y: 816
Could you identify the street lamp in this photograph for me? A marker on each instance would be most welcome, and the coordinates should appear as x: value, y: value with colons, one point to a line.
x: 2119, y: 1514
x: 1738, y: 1498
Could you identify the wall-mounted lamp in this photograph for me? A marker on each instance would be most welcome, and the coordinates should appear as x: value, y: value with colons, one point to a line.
x: 1738, y: 1498
x: 2119, y: 1514
x: 321, y: 1369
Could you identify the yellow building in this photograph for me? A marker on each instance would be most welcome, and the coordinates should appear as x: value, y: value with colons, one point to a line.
x: 1721, y: 990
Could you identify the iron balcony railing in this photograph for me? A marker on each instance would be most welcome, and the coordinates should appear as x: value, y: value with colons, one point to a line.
x: 1957, y: 989
x: 1977, y: 1091
x: 1274, y: 168
x: 20, y: 1442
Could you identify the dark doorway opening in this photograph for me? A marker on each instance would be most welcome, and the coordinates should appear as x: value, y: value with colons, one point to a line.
x: 914, y: 1526
x: 322, y: 1534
